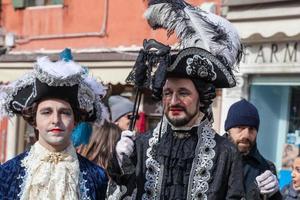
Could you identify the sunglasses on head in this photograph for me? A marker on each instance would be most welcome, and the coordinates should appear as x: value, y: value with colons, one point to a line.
x: 130, y: 117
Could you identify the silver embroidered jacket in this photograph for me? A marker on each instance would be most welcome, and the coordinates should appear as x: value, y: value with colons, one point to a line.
x: 212, y: 170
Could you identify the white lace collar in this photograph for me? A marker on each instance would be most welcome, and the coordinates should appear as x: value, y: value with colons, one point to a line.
x: 187, y: 128
x: 50, y: 175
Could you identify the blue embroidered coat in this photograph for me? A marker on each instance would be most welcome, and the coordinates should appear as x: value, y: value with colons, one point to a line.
x: 93, y: 180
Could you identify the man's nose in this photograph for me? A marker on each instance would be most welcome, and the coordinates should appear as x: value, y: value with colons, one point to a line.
x: 246, y: 132
x: 174, y: 99
x: 55, y: 118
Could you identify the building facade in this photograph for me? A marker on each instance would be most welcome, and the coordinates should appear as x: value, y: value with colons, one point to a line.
x: 104, y: 35
x: 269, y: 75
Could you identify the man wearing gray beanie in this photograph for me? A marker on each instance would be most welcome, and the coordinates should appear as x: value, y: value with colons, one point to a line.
x: 121, y: 111
x: 242, y: 124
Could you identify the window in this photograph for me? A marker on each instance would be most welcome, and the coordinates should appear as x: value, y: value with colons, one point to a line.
x: 294, y: 118
x: 28, y: 3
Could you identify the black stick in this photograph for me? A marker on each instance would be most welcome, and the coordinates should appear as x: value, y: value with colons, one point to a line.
x: 135, y: 111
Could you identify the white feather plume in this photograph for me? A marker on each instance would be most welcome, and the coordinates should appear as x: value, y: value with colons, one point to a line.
x: 96, y: 86
x: 60, y: 69
x: 196, y: 28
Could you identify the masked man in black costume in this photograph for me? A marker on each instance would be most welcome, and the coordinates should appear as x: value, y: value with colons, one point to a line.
x: 183, y: 157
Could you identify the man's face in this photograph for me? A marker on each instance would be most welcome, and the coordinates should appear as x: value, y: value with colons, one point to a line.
x: 244, y: 137
x: 181, y: 102
x: 124, y: 121
x: 54, y: 122
x: 296, y: 174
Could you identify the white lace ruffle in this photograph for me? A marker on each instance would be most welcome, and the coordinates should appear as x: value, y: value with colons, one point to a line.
x: 47, y: 180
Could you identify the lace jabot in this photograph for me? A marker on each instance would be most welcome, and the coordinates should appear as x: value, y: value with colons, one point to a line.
x: 185, y: 131
x: 50, y: 175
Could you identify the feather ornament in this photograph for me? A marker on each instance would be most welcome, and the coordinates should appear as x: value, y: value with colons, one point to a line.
x: 97, y: 87
x: 196, y: 28
x: 61, y: 69
x: 81, y: 134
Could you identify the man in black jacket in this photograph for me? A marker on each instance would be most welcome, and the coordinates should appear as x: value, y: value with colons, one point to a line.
x: 242, y: 124
x: 183, y: 158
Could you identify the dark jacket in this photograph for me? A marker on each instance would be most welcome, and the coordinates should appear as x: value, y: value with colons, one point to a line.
x: 255, y: 164
x: 289, y: 193
x: 202, y: 165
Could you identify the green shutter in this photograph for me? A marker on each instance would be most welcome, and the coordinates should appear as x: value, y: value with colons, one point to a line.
x: 57, y: 1
x: 19, y: 3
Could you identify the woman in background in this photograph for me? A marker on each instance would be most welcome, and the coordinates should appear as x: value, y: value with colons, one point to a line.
x: 100, y: 150
x: 102, y: 143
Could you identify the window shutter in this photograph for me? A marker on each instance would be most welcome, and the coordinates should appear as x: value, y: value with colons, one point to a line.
x: 19, y: 4
x: 57, y: 1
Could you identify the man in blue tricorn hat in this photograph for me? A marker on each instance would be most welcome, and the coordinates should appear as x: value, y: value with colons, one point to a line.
x: 183, y: 157
x: 53, y: 99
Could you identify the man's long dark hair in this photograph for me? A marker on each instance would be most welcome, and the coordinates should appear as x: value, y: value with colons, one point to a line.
x: 207, y: 92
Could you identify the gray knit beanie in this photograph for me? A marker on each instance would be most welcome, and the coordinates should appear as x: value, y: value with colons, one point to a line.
x: 119, y: 106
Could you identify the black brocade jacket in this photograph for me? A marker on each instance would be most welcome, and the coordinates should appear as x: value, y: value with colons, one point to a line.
x: 201, y: 166
x: 255, y: 164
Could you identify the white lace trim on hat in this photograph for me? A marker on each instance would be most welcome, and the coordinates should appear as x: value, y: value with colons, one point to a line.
x: 60, y: 73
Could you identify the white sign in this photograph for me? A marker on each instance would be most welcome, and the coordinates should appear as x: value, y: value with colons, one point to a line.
x: 272, y: 53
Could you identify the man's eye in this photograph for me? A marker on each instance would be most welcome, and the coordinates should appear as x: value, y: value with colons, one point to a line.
x: 184, y: 94
x: 45, y: 112
x: 240, y: 128
x: 67, y: 113
x: 167, y: 94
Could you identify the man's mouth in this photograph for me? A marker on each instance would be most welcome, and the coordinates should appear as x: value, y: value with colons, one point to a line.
x: 176, y: 110
x: 244, y: 144
x: 56, y: 130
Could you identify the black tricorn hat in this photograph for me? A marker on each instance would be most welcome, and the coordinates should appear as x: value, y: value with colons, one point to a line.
x: 211, y: 44
x: 197, y: 63
x: 38, y: 91
x: 64, y: 79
